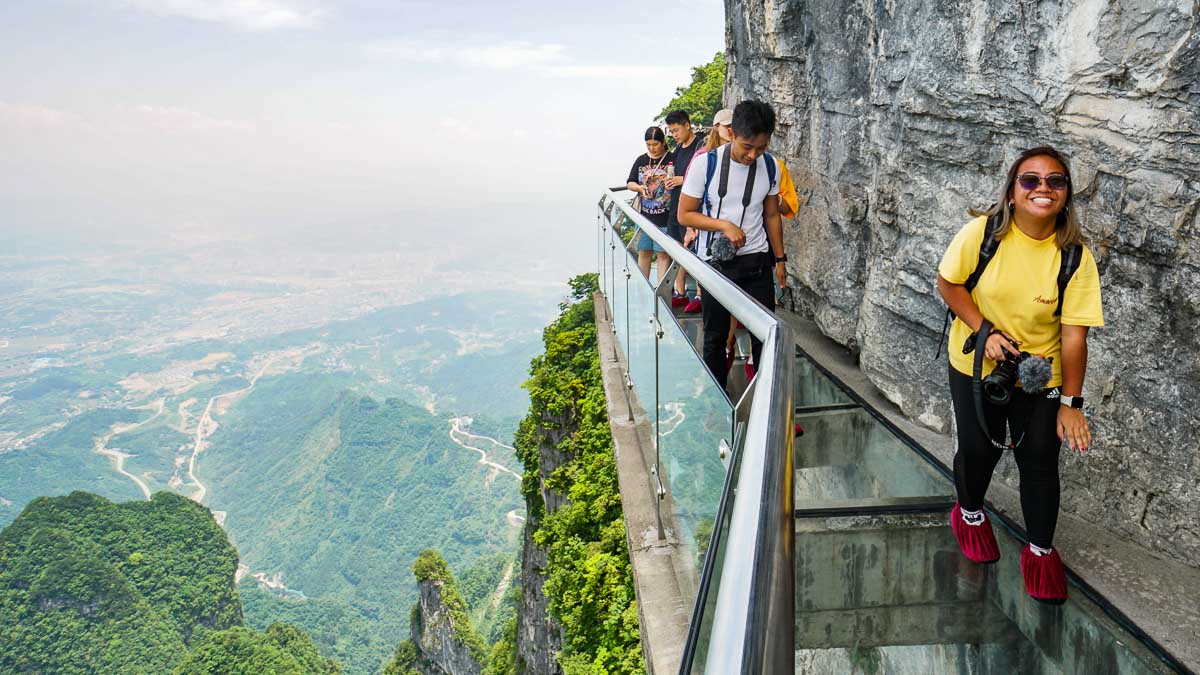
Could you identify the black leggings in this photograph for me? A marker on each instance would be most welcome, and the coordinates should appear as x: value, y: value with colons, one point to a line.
x: 1032, y: 420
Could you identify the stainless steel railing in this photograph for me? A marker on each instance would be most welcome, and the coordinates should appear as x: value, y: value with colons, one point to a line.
x: 743, y: 618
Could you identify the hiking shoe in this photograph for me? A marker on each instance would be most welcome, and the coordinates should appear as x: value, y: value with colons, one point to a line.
x: 678, y: 301
x: 1045, y: 577
x: 693, y: 307
x: 977, y: 542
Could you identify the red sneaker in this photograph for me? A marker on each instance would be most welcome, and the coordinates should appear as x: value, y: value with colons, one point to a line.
x: 977, y: 542
x: 693, y: 307
x: 1045, y: 577
x: 678, y: 301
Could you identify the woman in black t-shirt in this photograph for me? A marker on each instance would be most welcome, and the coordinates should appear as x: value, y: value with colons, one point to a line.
x: 648, y: 178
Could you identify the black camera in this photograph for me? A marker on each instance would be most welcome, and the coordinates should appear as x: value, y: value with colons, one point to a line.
x: 1034, y: 372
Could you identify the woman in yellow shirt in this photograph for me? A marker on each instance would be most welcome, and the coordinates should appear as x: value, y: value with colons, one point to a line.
x: 1016, y: 297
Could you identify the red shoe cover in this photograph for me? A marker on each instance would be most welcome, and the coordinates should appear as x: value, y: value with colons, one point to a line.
x: 693, y: 307
x: 1045, y: 578
x: 749, y: 371
x: 977, y: 542
x: 799, y: 431
x: 678, y: 301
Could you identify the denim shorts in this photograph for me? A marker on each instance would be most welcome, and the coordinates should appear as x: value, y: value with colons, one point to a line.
x: 645, y: 243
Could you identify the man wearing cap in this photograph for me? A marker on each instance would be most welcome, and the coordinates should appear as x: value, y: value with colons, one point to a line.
x: 737, y: 212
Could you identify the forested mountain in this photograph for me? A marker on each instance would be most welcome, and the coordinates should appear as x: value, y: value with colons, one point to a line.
x: 346, y: 491
x: 89, y: 586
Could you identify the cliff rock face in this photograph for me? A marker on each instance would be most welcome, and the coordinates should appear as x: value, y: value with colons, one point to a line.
x: 437, y: 635
x: 539, y: 635
x: 896, y: 117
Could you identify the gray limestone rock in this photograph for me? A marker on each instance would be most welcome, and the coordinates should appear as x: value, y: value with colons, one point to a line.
x: 434, y: 633
x: 895, y: 117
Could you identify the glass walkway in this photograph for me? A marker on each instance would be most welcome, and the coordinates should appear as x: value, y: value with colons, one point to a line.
x: 831, y: 551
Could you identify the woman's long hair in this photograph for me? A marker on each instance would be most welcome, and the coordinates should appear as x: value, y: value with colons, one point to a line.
x: 714, y: 139
x: 1066, y: 225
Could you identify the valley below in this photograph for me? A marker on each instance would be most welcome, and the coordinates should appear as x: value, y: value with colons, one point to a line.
x: 331, y: 452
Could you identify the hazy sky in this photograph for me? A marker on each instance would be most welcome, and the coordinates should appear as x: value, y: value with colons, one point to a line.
x: 121, y: 116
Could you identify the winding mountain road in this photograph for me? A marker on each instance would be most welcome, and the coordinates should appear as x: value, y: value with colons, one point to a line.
x: 118, y: 456
x: 207, y: 426
x: 456, y: 428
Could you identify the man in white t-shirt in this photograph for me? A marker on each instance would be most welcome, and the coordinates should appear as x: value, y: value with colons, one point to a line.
x: 739, y: 205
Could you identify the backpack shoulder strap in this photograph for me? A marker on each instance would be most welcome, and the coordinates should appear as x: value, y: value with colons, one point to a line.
x: 1069, y: 262
x: 708, y: 176
x: 987, y: 250
x: 772, y: 167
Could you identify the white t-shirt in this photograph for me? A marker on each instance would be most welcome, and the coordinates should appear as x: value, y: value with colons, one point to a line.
x: 731, y: 206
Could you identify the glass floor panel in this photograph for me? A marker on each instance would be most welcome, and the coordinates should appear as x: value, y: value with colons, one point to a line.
x: 850, y: 455
x: 814, y: 388
x: 891, y: 594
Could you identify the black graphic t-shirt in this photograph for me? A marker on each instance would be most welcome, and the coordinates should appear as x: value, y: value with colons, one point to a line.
x: 681, y: 157
x: 653, y: 174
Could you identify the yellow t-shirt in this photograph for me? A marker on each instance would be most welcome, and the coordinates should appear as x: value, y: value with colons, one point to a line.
x: 790, y: 203
x: 1018, y: 293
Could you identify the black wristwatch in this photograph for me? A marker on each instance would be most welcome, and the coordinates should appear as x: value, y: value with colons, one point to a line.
x: 1071, y: 401
x: 782, y: 258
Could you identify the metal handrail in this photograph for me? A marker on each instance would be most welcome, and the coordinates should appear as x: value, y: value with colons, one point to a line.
x: 754, y: 619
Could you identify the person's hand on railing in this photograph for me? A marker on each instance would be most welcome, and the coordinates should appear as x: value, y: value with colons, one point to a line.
x: 690, y: 236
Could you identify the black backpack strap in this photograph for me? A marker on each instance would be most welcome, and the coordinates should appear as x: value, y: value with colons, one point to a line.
x: 1069, y: 262
x: 987, y: 250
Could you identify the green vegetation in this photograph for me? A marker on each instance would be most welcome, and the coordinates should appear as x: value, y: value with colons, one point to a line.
x: 90, y: 586
x: 281, y: 650
x: 340, y: 493
x: 589, y: 581
x: 702, y: 97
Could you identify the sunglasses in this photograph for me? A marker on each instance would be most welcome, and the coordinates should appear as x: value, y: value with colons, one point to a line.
x: 1031, y: 181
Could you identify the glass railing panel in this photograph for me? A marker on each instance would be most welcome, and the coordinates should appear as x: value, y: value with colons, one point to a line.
x: 848, y: 455
x: 618, y: 297
x: 640, y: 350
x: 814, y: 388
x: 695, y: 417
x: 892, y: 594
x: 705, y: 609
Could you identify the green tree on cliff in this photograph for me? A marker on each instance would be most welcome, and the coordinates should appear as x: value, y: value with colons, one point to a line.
x: 589, y: 581
x: 701, y: 99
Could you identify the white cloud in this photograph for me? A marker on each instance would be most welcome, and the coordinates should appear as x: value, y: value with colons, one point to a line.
x: 173, y: 119
x: 506, y: 56
x: 30, y: 115
x: 620, y: 72
x: 546, y: 59
x: 251, y: 15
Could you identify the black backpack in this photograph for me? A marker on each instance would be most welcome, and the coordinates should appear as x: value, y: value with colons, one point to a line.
x: 1069, y: 262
